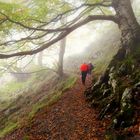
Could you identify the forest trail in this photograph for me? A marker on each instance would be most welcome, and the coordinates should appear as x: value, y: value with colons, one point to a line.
x: 68, y: 119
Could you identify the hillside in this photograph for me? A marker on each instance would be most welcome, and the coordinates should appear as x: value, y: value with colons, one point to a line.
x: 43, y: 110
x: 43, y: 43
x: 40, y: 92
x: 69, y: 119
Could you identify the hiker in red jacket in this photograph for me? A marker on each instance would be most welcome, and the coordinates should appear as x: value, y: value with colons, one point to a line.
x: 84, y: 71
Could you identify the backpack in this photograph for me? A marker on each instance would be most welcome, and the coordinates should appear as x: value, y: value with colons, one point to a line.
x: 90, y: 66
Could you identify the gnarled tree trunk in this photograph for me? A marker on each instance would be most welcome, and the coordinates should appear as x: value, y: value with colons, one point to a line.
x: 112, y: 92
x: 130, y: 29
x: 61, y: 52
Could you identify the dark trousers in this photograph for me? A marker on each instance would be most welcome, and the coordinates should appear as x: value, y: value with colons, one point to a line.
x: 84, y: 74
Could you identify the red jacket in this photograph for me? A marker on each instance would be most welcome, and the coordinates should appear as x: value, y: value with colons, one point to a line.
x: 84, y: 67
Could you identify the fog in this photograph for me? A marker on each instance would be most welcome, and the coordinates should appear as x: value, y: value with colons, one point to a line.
x: 76, y: 44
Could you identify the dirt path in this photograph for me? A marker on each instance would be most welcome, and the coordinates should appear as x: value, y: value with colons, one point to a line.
x: 68, y: 119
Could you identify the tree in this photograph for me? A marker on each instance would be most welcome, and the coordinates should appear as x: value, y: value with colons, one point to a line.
x: 61, y: 52
x: 61, y: 57
x: 52, y: 31
x: 124, y: 18
x: 127, y: 23
x: 40, y: 58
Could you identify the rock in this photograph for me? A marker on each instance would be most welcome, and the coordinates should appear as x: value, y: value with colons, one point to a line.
x: 122, y: 70
x: 112, y: 81
x: 137, y: 85
x: 126, y: 96
x: 104, y: 77
x: 125, y: 117
x: 106, y: 92
x: 136, y: 94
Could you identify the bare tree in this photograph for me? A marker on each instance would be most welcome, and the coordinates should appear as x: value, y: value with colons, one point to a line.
x: 40, y: 58
x: 61, y: 52
x: 61, y: 56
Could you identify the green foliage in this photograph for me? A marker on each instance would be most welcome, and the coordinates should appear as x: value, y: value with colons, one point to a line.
x: 14, y: 11
x: 45, y: 10
x: 28, y: 13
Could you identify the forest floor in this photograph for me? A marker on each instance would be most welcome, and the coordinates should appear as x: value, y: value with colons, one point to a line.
x: 68, y: 119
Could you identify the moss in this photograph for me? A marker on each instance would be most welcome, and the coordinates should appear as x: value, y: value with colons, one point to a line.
x: 69, y: 83
x: 59, y: 87
x: 10, y: 126
x: 136, y: 76
x: 46, y: 102
x: 12, y: 87
x: 115, y: 136
x: 136, y: 52
x: 54, y: 96
x: 26, y: 138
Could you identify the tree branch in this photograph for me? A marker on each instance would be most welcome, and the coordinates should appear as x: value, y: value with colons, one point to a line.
x: 61, y: 28
x: 2, y: 21
x: 28, y: 38
x: 58, y: 17
x: 61, y: 35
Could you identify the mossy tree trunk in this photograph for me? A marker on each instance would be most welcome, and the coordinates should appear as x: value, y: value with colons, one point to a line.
x: 115, y: 90
x: 129, y: 27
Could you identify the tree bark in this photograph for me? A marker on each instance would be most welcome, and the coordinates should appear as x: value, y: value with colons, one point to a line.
x: 61, y: 56
x: 40, y: 58
x: 113, y: 78
x: 130, y: 29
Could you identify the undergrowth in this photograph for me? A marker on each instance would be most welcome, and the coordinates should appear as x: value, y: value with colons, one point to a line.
x: 14, y: 121
x: 54, y: 96
x: 9, y: 127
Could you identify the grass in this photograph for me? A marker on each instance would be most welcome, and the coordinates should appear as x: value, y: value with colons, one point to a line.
x: 69, y: 83
x: 46, y: 102
x: 54, y: 96
x: 12, y: 87
x: 26, y: 138
x: 10, y: 126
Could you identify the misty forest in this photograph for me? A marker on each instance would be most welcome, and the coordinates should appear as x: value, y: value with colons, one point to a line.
x: 69, y: 69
